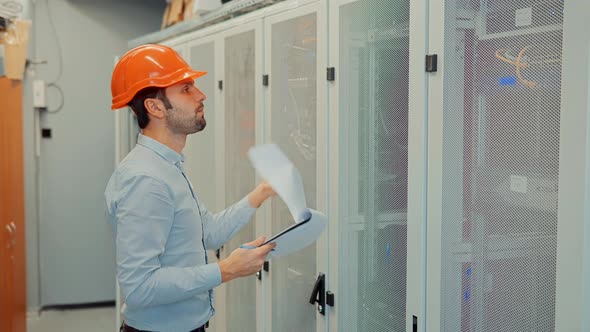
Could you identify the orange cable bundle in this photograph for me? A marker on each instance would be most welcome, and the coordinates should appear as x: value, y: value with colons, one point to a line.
x: 518, y: 64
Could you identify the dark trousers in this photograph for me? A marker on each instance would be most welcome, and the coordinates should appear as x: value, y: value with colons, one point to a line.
x: 127, y: 328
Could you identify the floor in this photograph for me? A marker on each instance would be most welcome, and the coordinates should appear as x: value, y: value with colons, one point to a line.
x: 73, y: 320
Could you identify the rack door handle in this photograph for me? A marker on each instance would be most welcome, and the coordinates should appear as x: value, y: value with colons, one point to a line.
x: 318, y: 294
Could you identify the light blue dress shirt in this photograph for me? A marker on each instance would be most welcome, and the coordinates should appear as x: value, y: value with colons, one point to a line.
x: 161, y: 233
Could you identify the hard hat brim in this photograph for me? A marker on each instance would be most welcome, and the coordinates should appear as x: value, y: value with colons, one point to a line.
x: 122, y: 100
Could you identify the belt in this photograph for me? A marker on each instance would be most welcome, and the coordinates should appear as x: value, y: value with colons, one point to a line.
x: 127, y: 328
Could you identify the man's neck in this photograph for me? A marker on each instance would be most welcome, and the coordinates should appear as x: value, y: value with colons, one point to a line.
x: 175, y: 142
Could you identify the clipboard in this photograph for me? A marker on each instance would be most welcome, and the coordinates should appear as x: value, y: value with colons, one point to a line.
x: 274, y: 167
x: 298, y: 236
x: 285, y: 231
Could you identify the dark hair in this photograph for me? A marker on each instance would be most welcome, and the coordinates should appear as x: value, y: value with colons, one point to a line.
x: 137, y: 104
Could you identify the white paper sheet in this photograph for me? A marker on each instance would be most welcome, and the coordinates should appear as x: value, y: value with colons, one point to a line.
x: 273, y: 166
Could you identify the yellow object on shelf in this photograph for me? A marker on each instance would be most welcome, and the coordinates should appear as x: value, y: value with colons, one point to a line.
x: 174, y: 13
x: 14, y: 42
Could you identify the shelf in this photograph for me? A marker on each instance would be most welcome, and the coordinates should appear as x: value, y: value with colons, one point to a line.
x: 506, y: 246
x: 357, y: 223
x: 227, y: 11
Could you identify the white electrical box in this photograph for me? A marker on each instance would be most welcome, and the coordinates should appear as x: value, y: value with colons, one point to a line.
x: 39, y: 99
x: 201, y: 7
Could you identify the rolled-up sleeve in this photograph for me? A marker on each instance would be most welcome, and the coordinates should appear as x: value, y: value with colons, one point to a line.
x: 220, y: 227
x: 144, y: 219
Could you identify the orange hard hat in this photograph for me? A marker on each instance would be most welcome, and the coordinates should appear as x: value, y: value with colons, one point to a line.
x: 146, y: 66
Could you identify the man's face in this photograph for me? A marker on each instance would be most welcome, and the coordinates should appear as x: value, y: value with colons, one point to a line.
x: 185, y: 113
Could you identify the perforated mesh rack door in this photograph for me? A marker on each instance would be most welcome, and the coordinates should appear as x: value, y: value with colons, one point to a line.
x: 502, y: 74
x: 201, y: 146
x: 292, y: 112
x: 240, y: 53
x: 373, y: 113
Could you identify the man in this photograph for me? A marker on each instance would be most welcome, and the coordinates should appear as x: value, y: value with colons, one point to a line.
x: 161, y: 229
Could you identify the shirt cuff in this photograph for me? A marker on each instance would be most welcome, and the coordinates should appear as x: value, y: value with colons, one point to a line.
x: 244, y: 205
x: 212, y: 273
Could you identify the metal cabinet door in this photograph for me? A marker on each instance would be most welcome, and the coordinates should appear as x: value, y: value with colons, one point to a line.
x: 572, y: 299
x: 201, y: 163
x: 296, y: 120
x: 242, y: 128
x: 369, y: 153
x: 494, y: 163
x: 200, y: 147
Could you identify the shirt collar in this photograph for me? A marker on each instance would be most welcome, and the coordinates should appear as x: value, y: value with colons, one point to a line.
x: 162, y: 150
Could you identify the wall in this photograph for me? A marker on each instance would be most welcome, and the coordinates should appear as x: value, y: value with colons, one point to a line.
x: 586, y: 253
x: 75, y: 164
x: 31, y: 240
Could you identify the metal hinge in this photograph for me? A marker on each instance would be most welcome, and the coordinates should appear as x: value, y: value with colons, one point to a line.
x: 265, y: 267
x: 431, y: 63
x: 265, y: 80
x: 331, y: 74
x: 220, y: 85
x: 330, y: 298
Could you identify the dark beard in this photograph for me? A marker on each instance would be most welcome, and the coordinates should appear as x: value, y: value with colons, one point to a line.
x: 184, y: 127
x: 201, y: 124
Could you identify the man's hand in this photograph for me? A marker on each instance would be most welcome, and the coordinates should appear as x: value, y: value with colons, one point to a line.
x: 245, y: 262
x: 260, y: 194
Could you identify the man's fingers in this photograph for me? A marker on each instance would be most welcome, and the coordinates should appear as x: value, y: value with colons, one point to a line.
x: 265, y: 249
x: 257, y: 242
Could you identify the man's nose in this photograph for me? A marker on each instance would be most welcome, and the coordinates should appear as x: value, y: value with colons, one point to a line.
x: 200, y: 95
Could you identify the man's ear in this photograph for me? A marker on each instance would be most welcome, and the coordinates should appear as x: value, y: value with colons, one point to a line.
x: 155, y: 107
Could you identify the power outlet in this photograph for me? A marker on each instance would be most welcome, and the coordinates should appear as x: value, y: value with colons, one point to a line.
x: 39, y: 98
